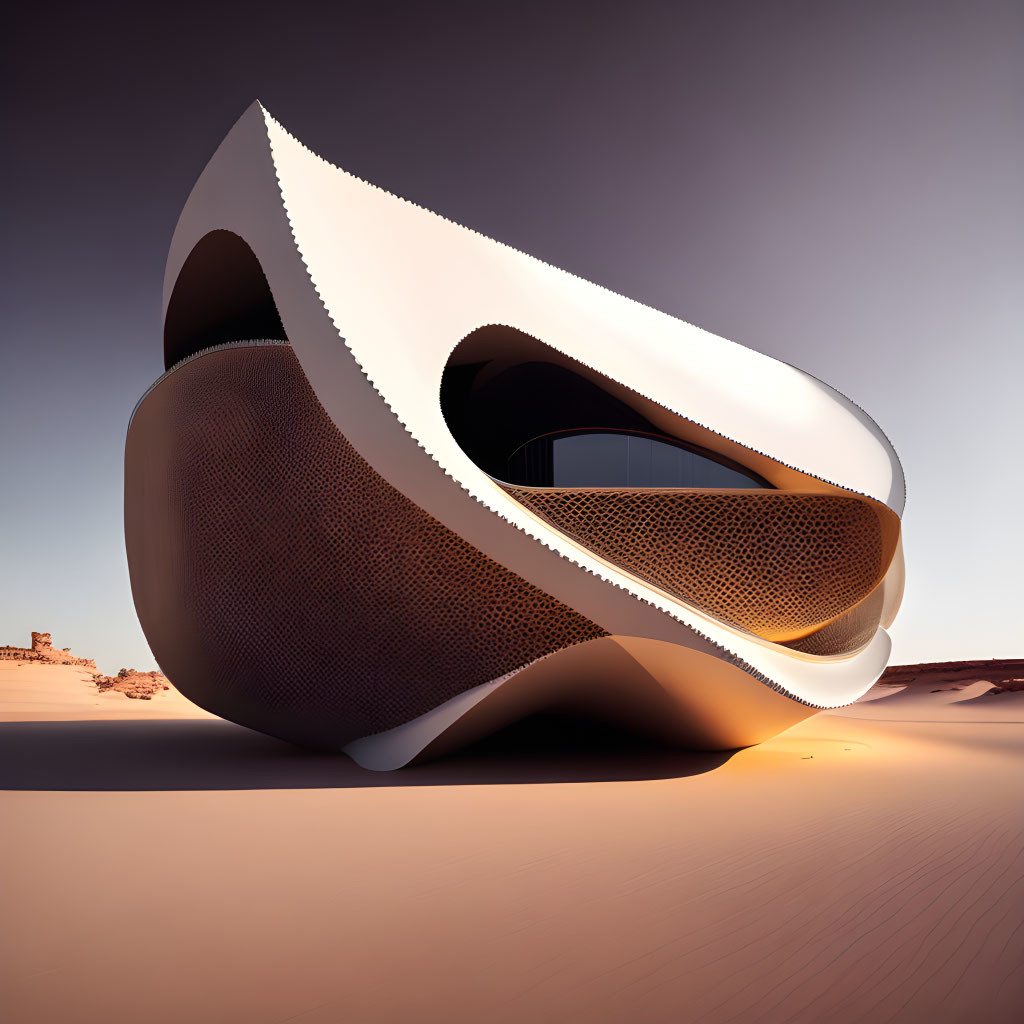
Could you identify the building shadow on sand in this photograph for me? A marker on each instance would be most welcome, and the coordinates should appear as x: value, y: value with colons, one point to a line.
x: 206, y: 754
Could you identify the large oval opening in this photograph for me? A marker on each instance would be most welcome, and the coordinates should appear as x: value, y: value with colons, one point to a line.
x: 704, y: 519
x: 530, y: 416
x: 221, y: 295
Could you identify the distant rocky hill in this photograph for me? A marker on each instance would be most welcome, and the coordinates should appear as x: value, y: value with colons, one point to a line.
x: 42, y: 649
x: 1005, y: 674
x: 136, y: 685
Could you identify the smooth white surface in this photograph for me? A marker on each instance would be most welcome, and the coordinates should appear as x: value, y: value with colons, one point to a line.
x: 395, y: 748
x: 403, y: 286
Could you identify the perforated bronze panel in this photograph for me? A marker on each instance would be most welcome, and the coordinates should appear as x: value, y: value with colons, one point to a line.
x: 777, y: 564
x: 850, y: 631
x: 283, y: 584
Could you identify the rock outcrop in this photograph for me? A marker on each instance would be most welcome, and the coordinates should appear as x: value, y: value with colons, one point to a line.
x: 42, y: 650
x: 136, y: 685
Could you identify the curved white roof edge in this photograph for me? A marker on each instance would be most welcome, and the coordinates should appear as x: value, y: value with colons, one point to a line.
x: 364, y: 247
x: 374, y: 290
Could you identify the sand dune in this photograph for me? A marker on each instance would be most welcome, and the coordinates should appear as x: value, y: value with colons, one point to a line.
x: 864, y: 865
x: 31, y: 692
x: 961, y: 702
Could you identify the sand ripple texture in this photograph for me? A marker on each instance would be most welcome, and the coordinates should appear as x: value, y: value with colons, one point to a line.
x: 863, y: 866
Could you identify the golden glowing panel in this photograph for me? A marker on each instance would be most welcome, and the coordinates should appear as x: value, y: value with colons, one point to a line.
x: 778, y: 564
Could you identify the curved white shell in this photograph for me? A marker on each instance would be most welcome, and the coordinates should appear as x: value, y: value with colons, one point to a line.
x: 375, y: 292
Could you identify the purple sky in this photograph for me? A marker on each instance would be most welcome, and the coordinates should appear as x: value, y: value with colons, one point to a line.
x: 835, y: 184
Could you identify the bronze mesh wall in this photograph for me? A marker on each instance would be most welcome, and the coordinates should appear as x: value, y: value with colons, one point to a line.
x: 282, y: 583
x: 775, y: 563
x: 851, y: 630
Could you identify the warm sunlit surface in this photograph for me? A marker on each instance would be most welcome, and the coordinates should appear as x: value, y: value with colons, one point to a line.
x: 865, y: 865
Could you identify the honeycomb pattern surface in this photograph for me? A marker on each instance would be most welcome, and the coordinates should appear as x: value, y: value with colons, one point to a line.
x: 285, y: 585
x: 852, y: 630
x: 774, y: 563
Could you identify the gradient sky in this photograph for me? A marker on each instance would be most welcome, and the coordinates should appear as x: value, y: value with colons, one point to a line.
x: 837, y: 184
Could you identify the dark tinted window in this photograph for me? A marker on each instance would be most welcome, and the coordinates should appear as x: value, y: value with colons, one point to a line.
x: 607, y: 459
x: 530, y: 416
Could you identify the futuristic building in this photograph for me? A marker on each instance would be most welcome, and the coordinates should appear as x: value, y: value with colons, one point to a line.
x: 402, y: 484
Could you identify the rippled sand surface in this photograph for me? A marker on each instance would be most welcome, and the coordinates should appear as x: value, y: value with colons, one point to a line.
x: 160, y: 865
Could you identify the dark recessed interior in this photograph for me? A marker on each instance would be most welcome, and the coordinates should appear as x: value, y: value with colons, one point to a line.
x: 221, y: 295
x: 529, y: 416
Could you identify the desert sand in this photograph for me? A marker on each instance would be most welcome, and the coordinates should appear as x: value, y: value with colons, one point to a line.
x: 161, y: 865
